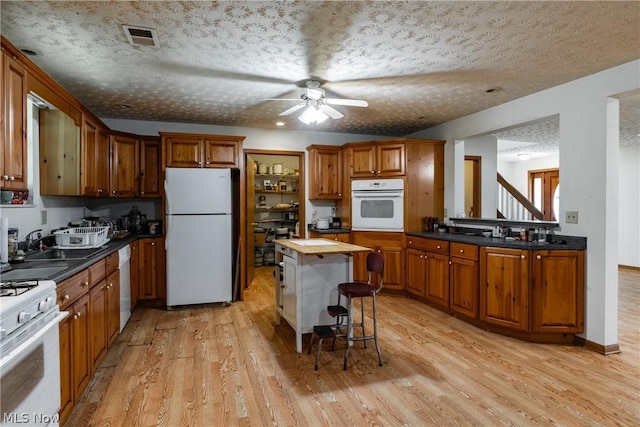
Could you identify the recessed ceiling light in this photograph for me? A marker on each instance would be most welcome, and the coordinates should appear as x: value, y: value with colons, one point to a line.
x: 494, y: 89
x: 279, y: 123
x: 524, y: 156
x: 28, y: 52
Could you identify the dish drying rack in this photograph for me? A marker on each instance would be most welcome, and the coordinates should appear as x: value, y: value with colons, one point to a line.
x: 82, y: 237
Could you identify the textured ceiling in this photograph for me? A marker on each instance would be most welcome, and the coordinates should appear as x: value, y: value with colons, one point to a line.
x: 416, y: 63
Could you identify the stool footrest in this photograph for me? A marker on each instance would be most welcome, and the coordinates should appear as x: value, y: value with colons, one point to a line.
x: 337, y: 310
x: 324, y: 332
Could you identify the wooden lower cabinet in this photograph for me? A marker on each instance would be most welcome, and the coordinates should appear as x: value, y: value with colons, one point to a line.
x: 438, y: 291
x: 504, y: 287
x: 416, y: 267
x: 557, y: 291
x: 391, y: 246
x: 463, y: 279
x: 151, y: 269
x: 92, y: 298
x: 338, y: 237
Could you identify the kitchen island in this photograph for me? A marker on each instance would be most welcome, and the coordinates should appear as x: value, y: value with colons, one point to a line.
x: 307, y: 276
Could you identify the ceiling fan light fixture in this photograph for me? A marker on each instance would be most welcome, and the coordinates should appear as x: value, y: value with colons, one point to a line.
x: 524, y: 156
x: 312, y: 114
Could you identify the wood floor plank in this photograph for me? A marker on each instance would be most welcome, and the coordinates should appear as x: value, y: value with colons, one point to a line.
x: 216, y: 365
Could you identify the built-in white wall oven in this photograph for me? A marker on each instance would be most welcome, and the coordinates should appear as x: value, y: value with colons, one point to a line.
x: 377, y: 205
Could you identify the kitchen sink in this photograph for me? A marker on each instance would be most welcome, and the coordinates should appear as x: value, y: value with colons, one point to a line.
x: 38, y: 273
x: 55, y: 254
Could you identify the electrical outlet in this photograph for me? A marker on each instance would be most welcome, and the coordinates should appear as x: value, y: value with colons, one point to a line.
x: 571, y: 217
x: 43, y: 217
x: 445, y: 212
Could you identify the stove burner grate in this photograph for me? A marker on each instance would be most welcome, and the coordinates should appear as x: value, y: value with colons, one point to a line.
x: 9, y: 289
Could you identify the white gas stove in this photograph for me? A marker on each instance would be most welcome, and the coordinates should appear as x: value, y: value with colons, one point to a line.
x: 29, y: 353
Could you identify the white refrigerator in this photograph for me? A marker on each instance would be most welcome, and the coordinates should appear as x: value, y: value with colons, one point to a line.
x: 198, y: 242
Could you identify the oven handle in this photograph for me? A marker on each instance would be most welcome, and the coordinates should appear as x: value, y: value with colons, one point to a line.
x: 377, y: 194
x: 26, y: 346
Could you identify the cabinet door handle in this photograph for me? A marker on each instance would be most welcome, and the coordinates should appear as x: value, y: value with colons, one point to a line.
x: 450, y: 263
x: 207, y: 163
x: 438, y: 247
x: 75, y: 316
x: 378, y: 172
x: 461, y: 251
x: 5, y: 177
x: 538, y: 256
x: 65, y: 298
x: 113, y: 191
x: 85, y: 284
x: 199, y: 163
x: 153, y: 243
x: 13, y: 178
x: 522, y: 256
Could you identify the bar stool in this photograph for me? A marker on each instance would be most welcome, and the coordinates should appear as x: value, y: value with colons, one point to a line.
x: 362, y: 290
x: 321, y: 332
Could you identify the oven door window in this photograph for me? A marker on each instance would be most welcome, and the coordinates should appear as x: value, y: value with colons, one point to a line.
x: 375, y: 208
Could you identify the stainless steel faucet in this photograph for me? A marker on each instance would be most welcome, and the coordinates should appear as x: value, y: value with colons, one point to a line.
x: 30, y: 240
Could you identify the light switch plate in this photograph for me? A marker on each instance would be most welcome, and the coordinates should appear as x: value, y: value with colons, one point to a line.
x: 571, y: 217
x: 43, y: 217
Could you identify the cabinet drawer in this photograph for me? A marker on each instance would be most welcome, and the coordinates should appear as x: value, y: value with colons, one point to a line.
x: 112, y: 262
x: 72, y: 288
x: 431, y: 245
x: 97, y: 272
x: 462, y: 250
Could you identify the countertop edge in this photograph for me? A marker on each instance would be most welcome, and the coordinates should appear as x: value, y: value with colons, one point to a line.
x: 560, y: 242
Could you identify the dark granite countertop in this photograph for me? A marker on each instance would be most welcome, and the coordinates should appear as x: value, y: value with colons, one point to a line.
x: 558, y: 242
x: 76, y: 266
x: 330, y: 230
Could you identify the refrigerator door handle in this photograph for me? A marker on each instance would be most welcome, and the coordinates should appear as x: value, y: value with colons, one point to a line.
x: 167, y: 225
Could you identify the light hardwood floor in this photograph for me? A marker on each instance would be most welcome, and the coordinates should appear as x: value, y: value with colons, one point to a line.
x: 230, y: 366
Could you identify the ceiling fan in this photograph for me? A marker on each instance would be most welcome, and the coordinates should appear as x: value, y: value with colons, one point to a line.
x: 317, y: 105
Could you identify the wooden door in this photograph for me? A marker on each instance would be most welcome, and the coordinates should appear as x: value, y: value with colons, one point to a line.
x: 89, y: 149
x: 544, y: 192
x: 558, y: 291
x: 124, y: 166
x: 472, y: 186
x: 437, y: 288
x: 14, y: 150
x: 150, y: 167
x: 148, y: 269
x: 390, y: 160
x: 363, y: 161
x: 113, y: 306
x: 504, y: 287
x: 98, y: 322
x: 251, y: 218
x: 463, y: 286
x: 325, y: 173
x: 66, y: 367
x: 80, y: 333
x: 221, y: 153
x: 184, y: 152
x: 416, y: 272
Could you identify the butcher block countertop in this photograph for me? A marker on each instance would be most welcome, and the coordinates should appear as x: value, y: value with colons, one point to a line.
x: 320, y: 246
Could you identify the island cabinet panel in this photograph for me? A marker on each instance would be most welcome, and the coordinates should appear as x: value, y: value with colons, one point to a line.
x: 184, y: 150
x: 325, y: 172
x: 13, y: 154
x: 125, y: 165
x: 391, y: 246
x: 558, y: 291
x: 464, y: 279
x: 504, y: 290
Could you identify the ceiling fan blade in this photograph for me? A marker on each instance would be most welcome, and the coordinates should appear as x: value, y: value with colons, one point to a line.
x: 331, y: 112
x: 292, y: 110
x: 282, y: 99
x: 347, y: 102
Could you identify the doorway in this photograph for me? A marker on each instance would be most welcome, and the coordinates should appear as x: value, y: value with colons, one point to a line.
x: 472, y: 186
x: 275, y: 203
x: 544, y: 192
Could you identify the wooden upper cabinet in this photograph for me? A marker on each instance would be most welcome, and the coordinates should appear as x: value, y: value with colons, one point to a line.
x: 377, y: 160
x: 59, y: 154
x: 558, y: 291
x: 150, y: 155
x: 124, y: 165
x: 201, y: 151
x: 424, y: 189
x: 95, y: 159
x: 13, y: 154
x: 325, y: 172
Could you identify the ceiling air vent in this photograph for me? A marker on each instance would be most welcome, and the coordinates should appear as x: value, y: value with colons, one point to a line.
x: 141, y: 36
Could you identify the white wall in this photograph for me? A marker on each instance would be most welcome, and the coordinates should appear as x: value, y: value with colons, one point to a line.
x: 629, y: 213
x: 487, y: 148
x: 588, y: 173
x: 517, y: 172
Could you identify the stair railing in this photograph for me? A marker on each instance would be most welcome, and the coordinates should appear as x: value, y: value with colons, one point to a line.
x: 513, y: 205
